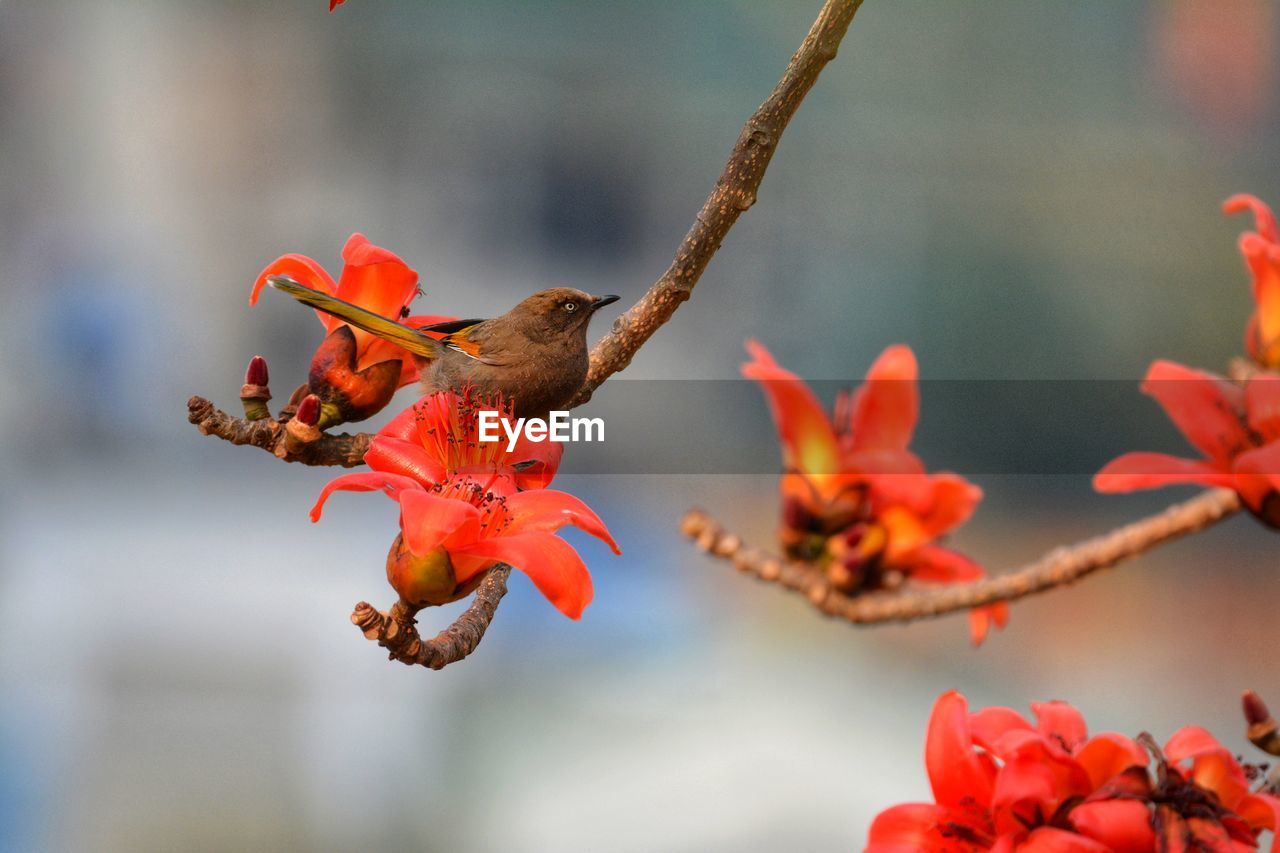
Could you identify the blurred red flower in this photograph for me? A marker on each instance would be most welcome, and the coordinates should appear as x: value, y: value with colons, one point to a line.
x: 462, y: 510
x: 1001, y: 783
x: 855, y: 499
x: 1261, y: 250
x: 353, y: 372
x: 333, y: 4
x: 1236, y: 428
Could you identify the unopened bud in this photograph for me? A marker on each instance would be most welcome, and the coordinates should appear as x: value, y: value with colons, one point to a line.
x: 254, y: 394
x: 309, y: 410
x: 1255, y: 710
x: 1263, y: 730
x: 257, y: 372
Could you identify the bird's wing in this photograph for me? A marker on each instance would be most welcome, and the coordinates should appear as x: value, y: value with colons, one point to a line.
x: 464, y: 336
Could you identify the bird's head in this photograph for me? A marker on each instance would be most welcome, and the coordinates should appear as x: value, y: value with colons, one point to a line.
x: 559, y: 311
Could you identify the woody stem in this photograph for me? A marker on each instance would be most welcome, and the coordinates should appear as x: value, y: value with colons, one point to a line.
x: 1061, y: 566
x: 734, y: 193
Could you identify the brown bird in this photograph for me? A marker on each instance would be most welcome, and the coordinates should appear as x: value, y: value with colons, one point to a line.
x: 535, y: 354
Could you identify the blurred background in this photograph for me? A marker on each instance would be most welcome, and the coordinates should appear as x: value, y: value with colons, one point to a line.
x: 1020, y: 190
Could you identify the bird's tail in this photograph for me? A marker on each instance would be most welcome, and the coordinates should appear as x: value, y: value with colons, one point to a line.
x: 375, y: 324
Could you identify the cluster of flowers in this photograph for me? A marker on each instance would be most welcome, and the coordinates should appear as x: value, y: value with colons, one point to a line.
x: 465, y: 505
x: 857, y: 503
x: 1003, y: 783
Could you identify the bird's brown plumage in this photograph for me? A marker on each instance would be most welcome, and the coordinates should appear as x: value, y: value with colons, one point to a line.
x: 535, y: 354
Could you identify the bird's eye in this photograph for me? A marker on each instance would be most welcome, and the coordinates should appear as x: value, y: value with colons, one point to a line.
x: 571, y: 307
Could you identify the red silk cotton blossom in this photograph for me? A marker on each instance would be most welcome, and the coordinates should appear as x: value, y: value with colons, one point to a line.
x: 1261, y: 250
x: 1005, y: 784
x: 467, y: 505
x: 354, y: 373
x: 1236, y: 428
x: 856, y: 500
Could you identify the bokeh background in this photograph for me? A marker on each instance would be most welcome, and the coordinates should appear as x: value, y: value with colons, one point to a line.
x: 1020, y: 190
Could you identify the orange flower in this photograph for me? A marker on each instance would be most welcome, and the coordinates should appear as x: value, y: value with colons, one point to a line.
x: 466, y: 505
x: 1236, y: 428
x: 353, y: 372
x: 856, y: 500
x: 1001, y: 783
x: 1261, y: 250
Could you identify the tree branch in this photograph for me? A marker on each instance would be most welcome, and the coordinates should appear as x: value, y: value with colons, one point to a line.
x: 397, y: 632
x: 734, y: 193
x: 270, y: 435
x: 1059, y: 567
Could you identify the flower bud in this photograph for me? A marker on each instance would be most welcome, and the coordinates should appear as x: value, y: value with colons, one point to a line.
x: 349, y: 394
x: 1255, y: 710
x: 422, y: 579
x: 309, y: 410
x: 1263, y: 731
x: 257, y: 372
x: 254, y: 394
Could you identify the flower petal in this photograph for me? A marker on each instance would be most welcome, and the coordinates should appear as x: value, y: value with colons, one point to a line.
x: 915, y: 827
x: 1257, y: 475
x: 393, y: 484
x: 1107, y: 755
x: 1061, y: 723
x: 550, y: 562
x: 306, y: 272
x: 957, y: 774
x: 1213, y: 767
x: 1262, y: 399
x: 547, y: 510
x: 1262, y: 811
x: 407, y: 458
x: 1046, y: 839
x: 1152, y: 470
x: 1264, y: 219
x: 885, y: 408
x: 1124, y: 826
x: 427, y: 520
x: 1207, y: 409
x: 1263, y: 259
x: 990, y: 725
x: 808, y: 441
x: 376, y: 280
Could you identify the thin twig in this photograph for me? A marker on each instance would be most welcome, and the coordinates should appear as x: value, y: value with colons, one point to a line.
x: 734, y: 193
x: 397, y: 632
x: 1059, y: 567
x: 269, y: 434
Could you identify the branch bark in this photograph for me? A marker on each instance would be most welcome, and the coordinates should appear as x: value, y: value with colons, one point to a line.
x: 1059, y: 567
x: 397, y: 632
x: 269, y: 434
x: 734, y: 194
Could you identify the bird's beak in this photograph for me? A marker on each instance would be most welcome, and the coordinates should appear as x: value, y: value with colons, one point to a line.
x: 601, y: 301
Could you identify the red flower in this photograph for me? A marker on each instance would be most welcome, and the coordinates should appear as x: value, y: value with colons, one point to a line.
x: 855, y: 499
x: 354, y: 372
x: 1236, y: 428
x: 333, y: 4
x: 1001, y: 783
x: 438, y: 438
x: 462, y: 509
x: 1261, y: 250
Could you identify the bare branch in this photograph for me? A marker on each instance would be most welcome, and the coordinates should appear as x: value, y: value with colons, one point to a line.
x: 734, y: 193
x: 397, y: 632
x: 1059, y: 567
x: 270, y: 435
